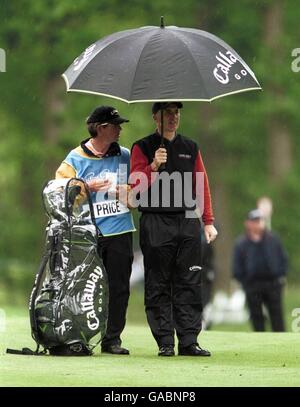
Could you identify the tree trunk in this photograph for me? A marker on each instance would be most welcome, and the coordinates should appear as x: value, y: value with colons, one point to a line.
x: 278, y: 136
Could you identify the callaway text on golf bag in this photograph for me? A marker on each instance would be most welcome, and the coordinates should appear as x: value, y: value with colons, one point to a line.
x: 69, y: 301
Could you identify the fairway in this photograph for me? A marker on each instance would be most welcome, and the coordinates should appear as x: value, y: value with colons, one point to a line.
x: 238, y: 359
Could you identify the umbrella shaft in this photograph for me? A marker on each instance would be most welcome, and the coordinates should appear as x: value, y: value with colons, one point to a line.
x: 162, y: 144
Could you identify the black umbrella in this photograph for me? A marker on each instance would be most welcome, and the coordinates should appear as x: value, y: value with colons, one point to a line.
x: 160, y: 64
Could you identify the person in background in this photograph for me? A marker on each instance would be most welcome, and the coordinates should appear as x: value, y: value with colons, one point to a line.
x: 104, y: 165
x: 260, y: 264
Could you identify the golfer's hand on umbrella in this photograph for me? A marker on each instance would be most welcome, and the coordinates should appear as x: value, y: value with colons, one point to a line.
x: 99, y: 185
x: 159, y: 158
x: 210, y: 233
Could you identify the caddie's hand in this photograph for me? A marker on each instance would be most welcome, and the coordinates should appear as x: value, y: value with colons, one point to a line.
x: 159, y: 158
x: 210, y: 233
x: 99, y: 185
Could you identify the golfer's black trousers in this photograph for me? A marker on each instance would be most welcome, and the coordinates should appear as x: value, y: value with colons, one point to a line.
x: 117, y: 255
x: 172, y: 253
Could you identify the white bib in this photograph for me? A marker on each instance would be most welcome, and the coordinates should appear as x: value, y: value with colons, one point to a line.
x: 109, y: 208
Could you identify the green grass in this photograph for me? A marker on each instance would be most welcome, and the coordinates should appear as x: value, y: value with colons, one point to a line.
x: 238, y: 359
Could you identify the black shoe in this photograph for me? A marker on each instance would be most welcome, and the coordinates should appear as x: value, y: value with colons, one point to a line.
x: 166, y: 350
x: 114, y: 350
x: 192, y: 350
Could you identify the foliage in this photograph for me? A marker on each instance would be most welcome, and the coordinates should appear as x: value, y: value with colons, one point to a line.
x: 41, y: 38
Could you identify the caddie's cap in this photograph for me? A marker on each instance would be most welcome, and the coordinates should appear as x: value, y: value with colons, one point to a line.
x: 105, y: 115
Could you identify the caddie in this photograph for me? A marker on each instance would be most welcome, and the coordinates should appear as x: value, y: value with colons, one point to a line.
x: 104, y: 165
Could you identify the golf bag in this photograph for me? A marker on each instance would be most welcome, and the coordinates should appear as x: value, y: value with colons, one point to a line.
x: 69, y: 301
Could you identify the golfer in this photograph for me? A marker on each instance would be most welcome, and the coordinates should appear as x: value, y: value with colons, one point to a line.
x: 169, y: 239
x: 104, y: 165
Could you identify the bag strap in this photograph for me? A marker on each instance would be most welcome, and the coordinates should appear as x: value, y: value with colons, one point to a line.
x: 27, y: 351
x: 38, y: 278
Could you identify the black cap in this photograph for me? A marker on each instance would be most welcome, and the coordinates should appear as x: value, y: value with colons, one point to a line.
x: 105, y: 114
x: 163, y: 105
x: 254, y: 214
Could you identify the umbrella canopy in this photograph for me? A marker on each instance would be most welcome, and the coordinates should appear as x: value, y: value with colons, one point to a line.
x: 160, y: 64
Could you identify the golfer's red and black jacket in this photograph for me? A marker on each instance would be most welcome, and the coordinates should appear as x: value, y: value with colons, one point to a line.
x: 183, y: 163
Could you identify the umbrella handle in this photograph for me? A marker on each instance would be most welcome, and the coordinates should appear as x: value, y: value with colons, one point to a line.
x: 162, y: 167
